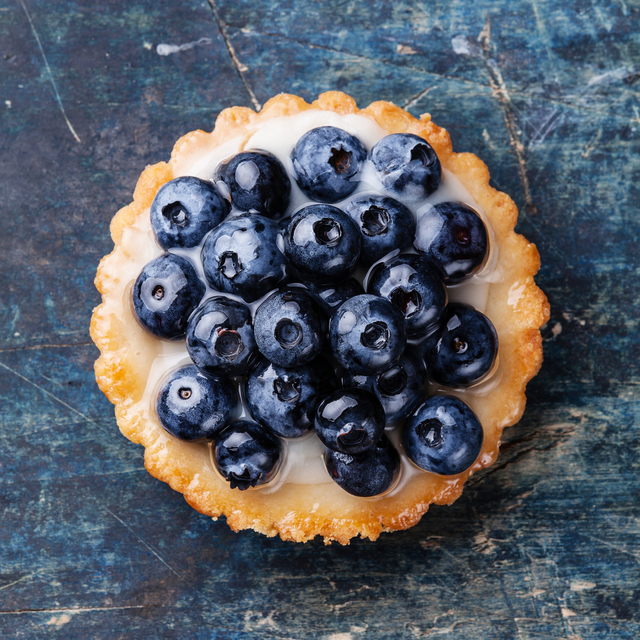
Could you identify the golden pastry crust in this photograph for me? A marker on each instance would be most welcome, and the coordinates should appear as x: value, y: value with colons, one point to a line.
x: 516, y: 306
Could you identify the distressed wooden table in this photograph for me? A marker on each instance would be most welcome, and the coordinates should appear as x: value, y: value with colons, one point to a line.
x: 545, y: 544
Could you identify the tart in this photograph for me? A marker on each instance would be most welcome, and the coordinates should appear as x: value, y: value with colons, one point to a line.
x: 299, y: 490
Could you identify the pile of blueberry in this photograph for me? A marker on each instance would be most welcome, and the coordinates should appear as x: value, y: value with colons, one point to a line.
x: 290, y: 332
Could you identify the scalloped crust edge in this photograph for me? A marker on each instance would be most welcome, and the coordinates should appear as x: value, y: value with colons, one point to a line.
x: 516, y: 305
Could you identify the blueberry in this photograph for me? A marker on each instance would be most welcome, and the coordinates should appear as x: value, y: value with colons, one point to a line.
x: 466, y: 347
x: 327, y: 162
x: 443, y: 436
x: 241, y: 256
x: 167, y: 290
x: 285, y: 400
x: 192, y: 406
x: 399, y: 389
x: 220, y: 337
x: 366, y: 474
x: 185, y: 210
x: 385, y: 225
x: 289, y: 327
x: 322, y: 242
x: 256, y: 182
x: 247, y: 455
x: 411, y: 283
x: 331, y: 296
x: 367, y: 334
x: 454, y: 237
x: 407, y: 166
x: 350, y: 421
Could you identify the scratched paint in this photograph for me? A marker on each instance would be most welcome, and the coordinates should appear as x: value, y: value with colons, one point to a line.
x: 543, y: 544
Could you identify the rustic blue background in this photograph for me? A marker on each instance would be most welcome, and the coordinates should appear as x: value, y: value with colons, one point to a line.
x: 545, y: 544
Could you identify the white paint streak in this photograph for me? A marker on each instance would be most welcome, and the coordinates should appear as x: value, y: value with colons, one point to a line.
x: 59, y: 621
x: 405, y: 50
x: 581, y: 585
x: 464, y: 46
x: 621, y: 74
x: 567, y: 613
x: 6, y: 586
x: 412, y: 101
x: 46, y: 62
x: 340, y: 636
x: 167, y: 49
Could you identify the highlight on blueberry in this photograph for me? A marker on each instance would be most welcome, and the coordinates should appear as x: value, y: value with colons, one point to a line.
x: 465, y: 348
x: 411, y: 284
x: 454, y: 237
x: 220, y: 337
x: 241, y: 256
x: 367, y: 474
x: 367, y: 334
x: 246, y: 455
x: 407, y: 166
x: 285, y: 400
x: 256, y: 182
x: 185, y: 210
x: 443, y: 436
x: 350, y: 421
x: 327, y: 162
x: 385, y: 225
x: 322, y: 243
x: 289, y: 327
x: 165, y: 294
x: 193, y: 407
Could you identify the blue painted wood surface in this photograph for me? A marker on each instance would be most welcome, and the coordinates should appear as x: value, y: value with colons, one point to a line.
x: 545, y: 544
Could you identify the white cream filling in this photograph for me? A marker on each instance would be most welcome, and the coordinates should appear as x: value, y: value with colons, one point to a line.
x: 303, y: 460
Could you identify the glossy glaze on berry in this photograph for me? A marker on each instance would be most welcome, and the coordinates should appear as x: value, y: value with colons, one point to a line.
x: 367, y: 335
x: 220, y: 337
x: 192, y: 406
x: 454, y: 237
x: 185, y: 210
x: 385, y: 225
x: 327, y: 162
x: 443, y: 436
x: 256, y: 182
x: 165, y: 294
x: 241, y: 256
x: 400, y: 389
x: 466, y: 347
x: 285, y: 400
x: 367, y: 474
x: 411, y: 284
x: 322, y: 243
x: 350, y: 421
x: 247, y: 455
x: 289, y: 328
x: 407, y: 166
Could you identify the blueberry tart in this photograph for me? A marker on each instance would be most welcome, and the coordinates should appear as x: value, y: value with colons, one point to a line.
x: 317, y: 319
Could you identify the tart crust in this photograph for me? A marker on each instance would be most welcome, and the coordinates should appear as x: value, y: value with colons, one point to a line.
x: 516, y: 306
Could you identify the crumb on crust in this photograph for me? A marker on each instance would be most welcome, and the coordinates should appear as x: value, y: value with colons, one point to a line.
x: 299, y: 513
